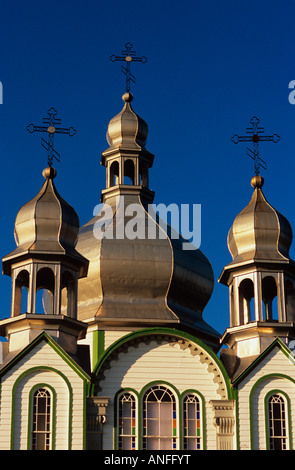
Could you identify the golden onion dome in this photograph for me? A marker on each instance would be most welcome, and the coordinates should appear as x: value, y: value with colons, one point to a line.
x: 47, y: 222
x: 145, y: 280
x: 259, y: 231
x: 127, y: 129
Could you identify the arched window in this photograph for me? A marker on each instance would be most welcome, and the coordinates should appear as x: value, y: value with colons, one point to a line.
x: 114, y: 174
x: 21, y: 293
x: 192, y: 422
x: 129, y: 172
x: 69, y: 294
x: 127, y: 429
x: 246, y: 294
x: 159, y: 419
x: 269, y: 297
x: 277, y: 422
x: 42, y: 420
x: 44, y: 284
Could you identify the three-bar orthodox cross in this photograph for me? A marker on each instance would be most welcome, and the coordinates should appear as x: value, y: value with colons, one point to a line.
x: 51, y: 128
x: 128, y: 56
x: 254, y: 135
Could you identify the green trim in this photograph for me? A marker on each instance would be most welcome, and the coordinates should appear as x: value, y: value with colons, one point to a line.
x: 135, y: 393
x: 289, y: 436
x: 277, y: 342
x: 161, y: 331
x: 58, y: 349
x: 237, y: 424
x: 139, y: 404
x: 262, y: 379
x: 52, y: 411
x: 85, y: 393
x: 18, y: 380
x: 97, y: 345
x: 140, y: 414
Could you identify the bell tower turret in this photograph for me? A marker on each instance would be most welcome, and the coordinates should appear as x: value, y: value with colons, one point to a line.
x: 261, y: 277
x: 46, y: 231
x: 127, y: 161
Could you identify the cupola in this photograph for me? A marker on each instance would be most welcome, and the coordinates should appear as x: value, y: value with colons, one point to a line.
x: 46, y: 259
x: 259, y: 231
x: 260, y: 277
x: 127, y: 160
x: 142, y: 278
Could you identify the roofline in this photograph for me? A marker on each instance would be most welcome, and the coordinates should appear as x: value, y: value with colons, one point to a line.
x: 43, y: 336
x: 276, y: 342
x: 163, y: 331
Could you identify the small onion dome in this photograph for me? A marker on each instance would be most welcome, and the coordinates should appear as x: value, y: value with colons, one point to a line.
x: 47, y: 223
x: 127, y: 129
x: 259, y: 231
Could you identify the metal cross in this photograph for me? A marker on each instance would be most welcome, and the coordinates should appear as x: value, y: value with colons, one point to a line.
x: 128, y: 55
x: 254, y: 135
x: 51, y: 129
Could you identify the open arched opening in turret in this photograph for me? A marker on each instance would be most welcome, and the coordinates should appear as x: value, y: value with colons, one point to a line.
x: 69, y: 298
x: 269, y: 298
x: 129, y: 176
x: 246, y: 301
x: 44, y: 290
x: 114, y: 174
x: 21, y: 293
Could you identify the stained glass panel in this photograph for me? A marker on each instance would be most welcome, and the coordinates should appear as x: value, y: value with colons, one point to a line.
x: 192, y: 422
x: 127, y: 422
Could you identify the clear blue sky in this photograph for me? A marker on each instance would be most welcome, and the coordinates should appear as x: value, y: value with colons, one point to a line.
x: 211, y: 66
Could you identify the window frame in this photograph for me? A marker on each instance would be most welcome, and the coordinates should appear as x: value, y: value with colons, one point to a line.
x: 179, y: 400
x: 202, y: 428
x: 286, y: 402
x: 175, y: 414
x: 52, y: 394
x: 117, y: 416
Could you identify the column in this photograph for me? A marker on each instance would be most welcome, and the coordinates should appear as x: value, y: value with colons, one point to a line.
x: 224, y: 422
x: 95, y: 419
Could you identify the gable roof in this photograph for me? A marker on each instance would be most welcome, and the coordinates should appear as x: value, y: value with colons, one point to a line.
x: 245, y: 368
x: 13, y: 359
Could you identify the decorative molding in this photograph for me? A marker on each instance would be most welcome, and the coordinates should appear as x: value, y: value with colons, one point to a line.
x: 96, y: 417
x: 159, y: 335
x: 205, y: 358
x: 224, y: 421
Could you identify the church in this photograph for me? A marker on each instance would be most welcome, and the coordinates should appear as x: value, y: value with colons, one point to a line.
x: 118, y: 356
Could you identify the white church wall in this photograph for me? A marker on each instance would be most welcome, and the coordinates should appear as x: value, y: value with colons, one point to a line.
x: 270, y: 374
x: 111, y: 336
x: 164, y: 363
x: 42, y: 366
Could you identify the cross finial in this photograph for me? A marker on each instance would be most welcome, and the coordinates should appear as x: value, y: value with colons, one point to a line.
x: 51, y: 128
x: 254, y: 135
x: 128, y: 56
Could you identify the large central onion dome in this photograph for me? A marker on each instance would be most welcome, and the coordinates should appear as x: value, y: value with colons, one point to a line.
x: 141, y: 281
x: 259, y: 231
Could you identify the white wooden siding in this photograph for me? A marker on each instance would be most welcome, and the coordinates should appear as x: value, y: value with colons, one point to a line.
x: 113, y: 335
x: 275, y: 362
x: 164, y: 362
x: 110, y: 337
x: 43, y: 354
